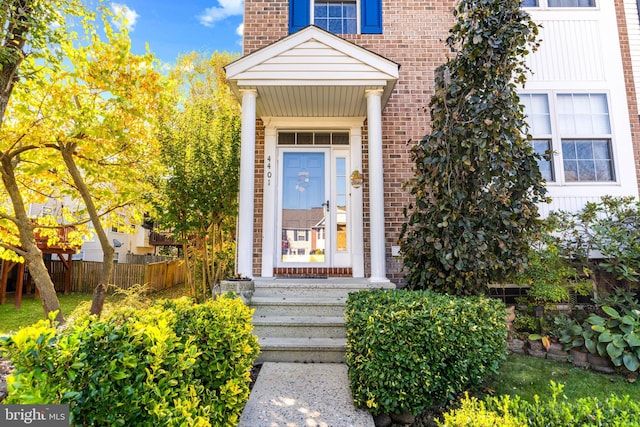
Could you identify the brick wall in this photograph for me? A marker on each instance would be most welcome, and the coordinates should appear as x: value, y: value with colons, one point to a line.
x: 414, y: 37
x: 629, y: 83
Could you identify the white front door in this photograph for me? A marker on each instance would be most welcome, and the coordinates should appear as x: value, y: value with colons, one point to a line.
x: 313, y: 208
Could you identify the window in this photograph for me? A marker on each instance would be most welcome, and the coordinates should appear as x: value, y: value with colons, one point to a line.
x: 313, y: 138
x: 558, y: 3
x: 337, y: 16
x: 539, y: 120
x: 579, y: 133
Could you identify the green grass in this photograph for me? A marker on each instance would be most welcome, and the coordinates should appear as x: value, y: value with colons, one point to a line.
x: 31, y: 311
x: 11, y: 320
x: 528, y: 376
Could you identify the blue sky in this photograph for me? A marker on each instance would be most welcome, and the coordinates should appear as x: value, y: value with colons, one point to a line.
x: 173, y: 27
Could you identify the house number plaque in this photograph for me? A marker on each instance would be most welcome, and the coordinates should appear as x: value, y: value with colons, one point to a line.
x: 269, y: 173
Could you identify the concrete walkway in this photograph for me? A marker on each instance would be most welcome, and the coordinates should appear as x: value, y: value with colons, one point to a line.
x: 303, y: 395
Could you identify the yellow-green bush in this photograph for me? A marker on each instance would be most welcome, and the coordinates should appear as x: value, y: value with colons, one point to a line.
x: 409, y: 350
x: 164, y: 365
x: 505, y: 411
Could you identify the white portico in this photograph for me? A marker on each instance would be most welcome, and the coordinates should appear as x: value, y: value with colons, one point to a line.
x: 312, y: 91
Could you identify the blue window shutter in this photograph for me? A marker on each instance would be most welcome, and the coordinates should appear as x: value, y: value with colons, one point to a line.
x: 371, y: 12
x: 299, y: 15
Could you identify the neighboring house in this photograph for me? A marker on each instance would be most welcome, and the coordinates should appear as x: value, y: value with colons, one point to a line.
x: 134, y: 241
x: 334, y: 93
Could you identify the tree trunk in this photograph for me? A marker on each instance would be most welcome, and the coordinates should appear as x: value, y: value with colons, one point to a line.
x: 32, y: 255
x: 16, y: 31
x: 99, y: 293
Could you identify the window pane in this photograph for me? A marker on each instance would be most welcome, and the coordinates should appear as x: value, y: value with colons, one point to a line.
x: 542, y: 147
x: 587, y: 160
x: 335, y: 26
x: 604, y: 170
x: 320, y: 10
x: 586, y: 170
x: 286, y: 138
x: 529, y: 3
x: 583, y: 115
x: 570, y: 170
x: 571, y: 3
x: 323, y: 139
x: 601, y: 150
x: 584, y: 150
x: 536, y: 108
x: 340, y: 139
x: 569, y: 150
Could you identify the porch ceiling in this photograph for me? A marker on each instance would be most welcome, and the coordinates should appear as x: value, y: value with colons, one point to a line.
x: 312, y: 73
x: 311, y: 101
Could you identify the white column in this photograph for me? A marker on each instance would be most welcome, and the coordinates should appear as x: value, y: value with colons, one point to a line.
x: 244, y: 234
x: 376, y: 186
x: 357, y: 239
x: 269, y: 220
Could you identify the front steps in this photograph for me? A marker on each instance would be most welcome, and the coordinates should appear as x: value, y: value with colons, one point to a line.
x: 302, y: 320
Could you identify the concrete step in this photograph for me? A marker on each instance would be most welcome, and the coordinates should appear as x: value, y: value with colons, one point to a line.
x: 299, y: 326
x: 318, y: 288
x: 298, y: 306
x: 303, y: 350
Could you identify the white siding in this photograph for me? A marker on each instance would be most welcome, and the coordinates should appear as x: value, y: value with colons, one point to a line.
x: 580, y: 52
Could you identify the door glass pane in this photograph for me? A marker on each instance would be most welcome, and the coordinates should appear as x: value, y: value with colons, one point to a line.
x: 341, y: 204
x: 303, y: 207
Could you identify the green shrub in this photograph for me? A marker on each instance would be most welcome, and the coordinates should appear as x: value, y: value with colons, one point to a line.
x: 409, y: 350
x: 142, y: 367
x: 505, y: 411
x: 222, y: 332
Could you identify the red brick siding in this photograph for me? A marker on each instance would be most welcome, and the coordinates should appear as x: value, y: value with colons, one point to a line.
x: 629, y: 82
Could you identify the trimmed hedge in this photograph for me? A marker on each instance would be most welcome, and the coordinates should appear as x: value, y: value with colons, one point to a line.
x: 409, y: 350
x: 174, y: 363
x: 505, y: 411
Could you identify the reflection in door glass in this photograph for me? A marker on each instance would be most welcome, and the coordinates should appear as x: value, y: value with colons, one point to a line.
x: 303, y: 207
x: 341, y: 205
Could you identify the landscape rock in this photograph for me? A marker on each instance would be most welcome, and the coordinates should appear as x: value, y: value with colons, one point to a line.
x: 382, y: 420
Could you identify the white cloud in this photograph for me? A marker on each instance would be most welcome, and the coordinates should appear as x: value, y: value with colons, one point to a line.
x: 129, y: 15
x: 225, y: 9
x: 240, y: 30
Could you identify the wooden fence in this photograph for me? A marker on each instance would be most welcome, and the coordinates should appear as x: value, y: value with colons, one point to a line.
x: 85, y: 275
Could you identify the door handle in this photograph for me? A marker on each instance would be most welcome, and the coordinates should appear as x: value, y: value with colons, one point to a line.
x: 326, y: 205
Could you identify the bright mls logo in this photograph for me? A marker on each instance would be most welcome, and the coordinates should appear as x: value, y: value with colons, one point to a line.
x: 34, y: 415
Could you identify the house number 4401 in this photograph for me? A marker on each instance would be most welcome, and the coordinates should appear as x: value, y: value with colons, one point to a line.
x: 269, y: 173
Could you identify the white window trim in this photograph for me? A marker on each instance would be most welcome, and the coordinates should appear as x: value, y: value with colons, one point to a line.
x: 358, y: 18
x: 544, y: 5
x: 556, y: 139
x: 272, y: 126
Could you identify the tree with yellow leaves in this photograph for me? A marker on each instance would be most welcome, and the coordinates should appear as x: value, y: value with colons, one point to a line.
x: 80, y: 131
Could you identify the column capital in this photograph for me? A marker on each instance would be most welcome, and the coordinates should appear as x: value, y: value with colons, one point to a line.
x: 369, y: 92
x: 249, y: 91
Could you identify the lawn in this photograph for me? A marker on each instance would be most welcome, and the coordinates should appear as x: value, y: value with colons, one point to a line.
x: 527, y: 376
x: 31, y: 311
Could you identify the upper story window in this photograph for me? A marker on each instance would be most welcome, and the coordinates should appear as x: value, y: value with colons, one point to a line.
x: 559, y: 3
x: 576, y: 128
x: 337, y: 16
